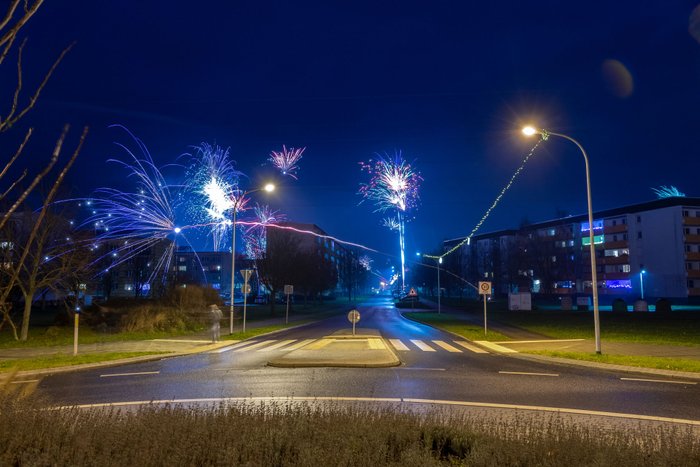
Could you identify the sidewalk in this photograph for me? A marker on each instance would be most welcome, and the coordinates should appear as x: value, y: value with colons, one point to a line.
x: 525, y: 341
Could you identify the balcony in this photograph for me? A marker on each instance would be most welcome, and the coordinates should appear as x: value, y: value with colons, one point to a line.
x: 692, y: 256
x: 622, y: 259
x: 693, y: 292
x: 691, y: 238
x: 617, y: 275
x: 618, y: 244
x: 693, y: 273
x: 613, y: 229
x: 691, y: 220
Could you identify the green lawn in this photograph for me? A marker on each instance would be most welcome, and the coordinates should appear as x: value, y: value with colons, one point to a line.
x: 451, y: 323
x: 676, y: 328
x: 53, y: 361
x: 664, y: 363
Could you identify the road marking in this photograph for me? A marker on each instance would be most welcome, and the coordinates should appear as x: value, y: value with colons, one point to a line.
x: 376, y: 344
x: 26, y: 381
x: 255, y: 346
x: 526, y: 373
x: 468, y: 346
x: 423, y: 346
x: 447, y: 346
x: 319, y: 344
x: 416, y: 369
x: 398, y: 345
x: 277, y: 345
x: 398, y: 400
x: 299, y: 345
x: 109, y: 375
x: 231, y: 347
x: 187, y: 341
x: 658, y: 381
x: 495, y: 347
x: 539, y: 341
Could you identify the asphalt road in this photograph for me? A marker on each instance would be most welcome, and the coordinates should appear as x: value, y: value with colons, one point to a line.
x: 435, y: 367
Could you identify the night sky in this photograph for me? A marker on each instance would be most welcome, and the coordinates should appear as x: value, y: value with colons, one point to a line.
x: 447, y: 82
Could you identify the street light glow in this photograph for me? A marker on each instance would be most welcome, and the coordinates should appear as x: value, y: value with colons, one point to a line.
x: 529, y: 130
x: 269, y: 187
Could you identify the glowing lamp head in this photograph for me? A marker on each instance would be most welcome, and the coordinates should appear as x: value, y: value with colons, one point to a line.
x: 529, y: 131
x: 644, y: 271
x: 269, y: 187
x: 440, y: 260
x: 177, y: 230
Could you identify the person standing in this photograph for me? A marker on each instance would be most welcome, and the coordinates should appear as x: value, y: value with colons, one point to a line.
x: 216, y: 316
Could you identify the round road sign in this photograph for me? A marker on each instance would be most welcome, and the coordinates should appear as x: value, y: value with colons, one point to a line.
x: 354, y: 316
x: 484, y: 288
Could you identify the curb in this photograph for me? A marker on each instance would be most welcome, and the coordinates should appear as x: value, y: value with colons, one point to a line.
x: 575, y: 363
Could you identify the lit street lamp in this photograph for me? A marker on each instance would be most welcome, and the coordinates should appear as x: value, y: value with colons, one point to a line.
x: 641, y: 281
x: 529, y: 131
x: 235, y: 207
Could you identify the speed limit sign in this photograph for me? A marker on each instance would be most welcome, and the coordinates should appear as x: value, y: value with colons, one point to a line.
x: 484, y: 288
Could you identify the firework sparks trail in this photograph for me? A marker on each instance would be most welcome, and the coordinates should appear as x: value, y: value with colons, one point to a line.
x: 255, y: 236
x: 286, y: 160
x: 392, y: 223
x: 393, y: 184
x: 214, y: 182
x: 366, y: 262
x: 132, y: 223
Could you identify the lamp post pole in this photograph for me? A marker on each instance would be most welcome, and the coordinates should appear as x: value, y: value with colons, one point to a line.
x: 439, y: 289
x: 641, y: 282
x: 233, y: 264
x: 594, y: 273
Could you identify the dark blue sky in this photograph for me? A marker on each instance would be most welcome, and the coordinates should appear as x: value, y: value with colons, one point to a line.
x: 447, y: 82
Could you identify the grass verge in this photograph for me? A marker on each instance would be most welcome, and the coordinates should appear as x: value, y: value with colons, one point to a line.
x: 291, y: 434
x: 53, y: 361
x: 450, y: 323
x: 663, y: 363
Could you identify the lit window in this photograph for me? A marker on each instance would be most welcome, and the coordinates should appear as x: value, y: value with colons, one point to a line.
x: 597, y: 240
x: 625, y: 268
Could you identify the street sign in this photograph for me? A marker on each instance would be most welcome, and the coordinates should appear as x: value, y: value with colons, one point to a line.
x: 245, y: 288
x: 354, y: 316
x: 484, y: 288
x: 288, y: 289
x: 412, y: 292
x: 246, y: 273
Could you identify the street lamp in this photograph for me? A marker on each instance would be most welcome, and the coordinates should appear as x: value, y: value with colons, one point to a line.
x: 237, y: 201
x: 529, y: 131
x: 641, y: 281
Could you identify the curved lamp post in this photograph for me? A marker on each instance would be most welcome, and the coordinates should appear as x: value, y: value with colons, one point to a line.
x: 529, y: 131
x: 235, y: 207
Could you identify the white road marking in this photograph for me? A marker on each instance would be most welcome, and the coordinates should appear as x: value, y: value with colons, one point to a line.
x: 231, y: 347
x: 416, y: 369
x: 109, y: 375
x: 657, y: 381
x: 26, y: 381
x: 188, y: 341
x: 526, y: 373
x: 219, y: 400
x: 540, y: 341
x: 398, y: 345
x: 255, y: 346
x: 496, y: 347
x: 299, y: 345
x: 468, y: 346
x: 277, y: 345
x: 423, y: 346
x: 447, y: 346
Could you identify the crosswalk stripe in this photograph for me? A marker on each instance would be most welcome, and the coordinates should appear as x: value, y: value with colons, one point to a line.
x: 299, y: 345
x: 398, y: 345
x: 447, y: 346
x: 277, y: 345
x: 255, y: 346
x: 319, y: 344
x: 468, y: 346
x: 423, y: 346
x: 231, y: 347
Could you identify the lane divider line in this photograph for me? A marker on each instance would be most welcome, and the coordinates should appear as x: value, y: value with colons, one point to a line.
x: 219, y: 400
x: 277, y: 345
x: 539, y: 341
x: 25, y: 381
x: 254, y: 346
x: 234, y: 346
x: 525, y: 373
x: 657, y: 381
x: 447, y: 346
x: 138, y: 373
x: 468, y: 346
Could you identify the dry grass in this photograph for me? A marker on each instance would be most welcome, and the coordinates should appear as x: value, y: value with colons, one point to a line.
x: 287, y: 434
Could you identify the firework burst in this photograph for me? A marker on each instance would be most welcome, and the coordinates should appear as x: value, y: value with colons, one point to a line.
x: 255, y: 235
x: 286, y: 160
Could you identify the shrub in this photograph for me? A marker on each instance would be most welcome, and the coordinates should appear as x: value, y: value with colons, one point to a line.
x: 619, y: 306
x: 192, y: 298
x: 150, y: 318
x: 663, y: 305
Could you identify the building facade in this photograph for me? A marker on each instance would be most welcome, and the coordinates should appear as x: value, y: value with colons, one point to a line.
x: 650, y: 249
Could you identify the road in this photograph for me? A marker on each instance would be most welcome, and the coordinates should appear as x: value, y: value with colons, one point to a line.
x: 435, y: 367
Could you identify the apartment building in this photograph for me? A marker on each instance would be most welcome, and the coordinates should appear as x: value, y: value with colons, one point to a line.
x: 651, y: 247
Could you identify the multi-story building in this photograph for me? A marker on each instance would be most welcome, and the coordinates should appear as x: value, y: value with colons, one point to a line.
x: 653, y: 246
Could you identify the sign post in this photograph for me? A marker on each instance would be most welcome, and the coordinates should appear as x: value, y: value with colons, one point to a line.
x: 246, y: 290
x: 288, y: 290
x: 76, y: 321
x: 485, y: 289
x: 413, y: 294
x: 353, y: 317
